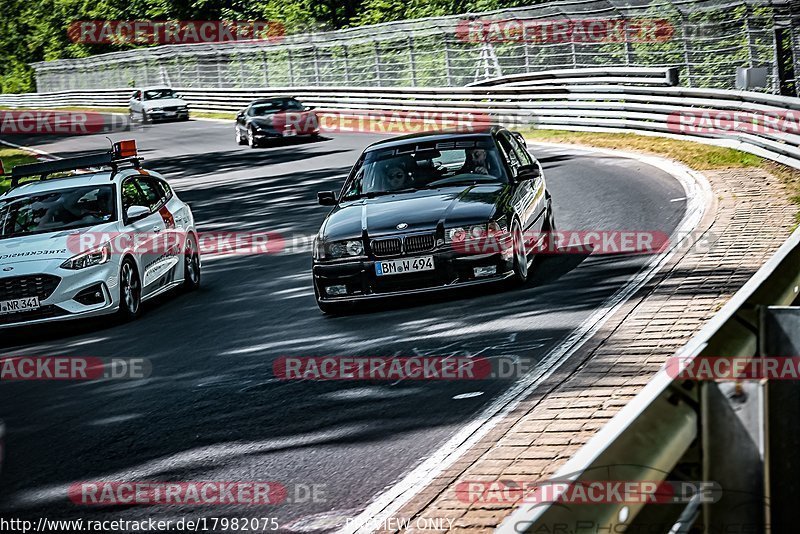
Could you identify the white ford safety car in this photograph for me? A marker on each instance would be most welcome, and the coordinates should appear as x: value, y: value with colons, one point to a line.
x: 93, y: 243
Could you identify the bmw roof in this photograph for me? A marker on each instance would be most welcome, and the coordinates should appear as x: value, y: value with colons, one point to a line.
x: 440, y: 135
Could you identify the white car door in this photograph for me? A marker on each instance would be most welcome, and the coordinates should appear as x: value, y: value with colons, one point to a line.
x: 153, y: 258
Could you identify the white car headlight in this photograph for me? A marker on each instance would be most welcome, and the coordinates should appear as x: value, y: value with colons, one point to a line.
x: 342, y: 249
x: 91, y: 258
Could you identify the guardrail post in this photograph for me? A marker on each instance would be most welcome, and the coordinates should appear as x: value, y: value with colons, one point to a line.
x: 412, y: 61
x: 377, y: 64
x: 448, y: 76
x: 316, y: 66
x: 346, y: 65
x: 686, y: 57
x: 732, y: 455
x: 290, y: 69
x: 780, y: 329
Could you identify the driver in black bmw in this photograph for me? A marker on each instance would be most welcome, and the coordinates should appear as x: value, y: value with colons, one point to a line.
x: 433, y: 211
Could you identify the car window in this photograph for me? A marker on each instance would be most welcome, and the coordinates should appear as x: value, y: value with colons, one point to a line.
x: 274, y: 106
x: 508, y: 152
x: 154, y: 195
x: 55, y: 211
x: 426, y: 165
x: 132, y: 195
x: 164, y: 189
x: 159, y: 94
x: 519, y: 149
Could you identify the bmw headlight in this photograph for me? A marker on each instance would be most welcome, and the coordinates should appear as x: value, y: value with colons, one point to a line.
x: 460, y: 234
x: 91, y: 258
x: 344, y: 249
x: 476, y: 232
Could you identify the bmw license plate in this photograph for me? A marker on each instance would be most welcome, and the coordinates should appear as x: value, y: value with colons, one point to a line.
x: 289, y: 132
x: 19, y: 305
x: 409, y: 265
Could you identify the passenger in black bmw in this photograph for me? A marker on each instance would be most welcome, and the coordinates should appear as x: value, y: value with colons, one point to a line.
x: 415, y: 211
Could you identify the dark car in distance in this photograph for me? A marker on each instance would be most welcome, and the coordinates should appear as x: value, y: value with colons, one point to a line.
x: 415, y: 213
x: 275, y: 118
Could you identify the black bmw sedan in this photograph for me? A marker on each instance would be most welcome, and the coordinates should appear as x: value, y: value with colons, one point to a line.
x: 274, y: 118
x: 429, y: 212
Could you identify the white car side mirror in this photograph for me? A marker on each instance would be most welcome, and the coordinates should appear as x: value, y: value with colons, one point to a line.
x: 137, y: 212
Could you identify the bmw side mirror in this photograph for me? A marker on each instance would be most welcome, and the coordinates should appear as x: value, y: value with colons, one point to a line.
x: 135, y: 213
x: 528, y: 172
x: 309, y: 108
x: 326, y: 198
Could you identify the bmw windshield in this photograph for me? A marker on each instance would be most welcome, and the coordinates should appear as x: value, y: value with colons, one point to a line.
x: 55, y: 211
x: 274, y: 106
x: 425, y: 166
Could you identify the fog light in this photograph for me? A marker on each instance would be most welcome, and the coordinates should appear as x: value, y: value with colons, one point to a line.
x: 336, y: 291
x: 91, y: 295
x: 485, y: 271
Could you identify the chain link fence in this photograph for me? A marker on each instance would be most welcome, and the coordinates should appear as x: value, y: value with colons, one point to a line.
x: 705, y: 39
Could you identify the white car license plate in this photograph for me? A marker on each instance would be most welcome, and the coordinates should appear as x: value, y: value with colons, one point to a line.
x: 408, y: 265
x: 170, y: 113
x: 19, y: 305
x: 289, y: 133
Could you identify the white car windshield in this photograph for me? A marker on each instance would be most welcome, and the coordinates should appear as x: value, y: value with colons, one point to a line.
x: 159, y: 94
x: 55, y: 211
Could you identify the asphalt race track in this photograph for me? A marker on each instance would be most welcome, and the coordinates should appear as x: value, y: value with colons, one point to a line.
x: 213, y: 411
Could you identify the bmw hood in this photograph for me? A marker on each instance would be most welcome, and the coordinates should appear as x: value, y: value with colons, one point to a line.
x: 416, y: 211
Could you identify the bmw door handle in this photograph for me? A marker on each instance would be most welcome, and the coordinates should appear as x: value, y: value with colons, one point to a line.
x: 156, y: 229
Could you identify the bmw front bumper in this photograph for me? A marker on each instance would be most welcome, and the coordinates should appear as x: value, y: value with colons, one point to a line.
x: 451, y: 270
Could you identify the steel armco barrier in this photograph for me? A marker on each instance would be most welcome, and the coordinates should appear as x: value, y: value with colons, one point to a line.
x: 705, y: 39
x: 690, y: 430
x: 671, y: 426
x: 758, y: 123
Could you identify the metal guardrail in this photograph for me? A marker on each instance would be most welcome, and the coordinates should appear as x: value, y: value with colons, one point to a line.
x: 708, y: 40
x: 670, y: 423
x: 758, y: 123
x: 676, y: 425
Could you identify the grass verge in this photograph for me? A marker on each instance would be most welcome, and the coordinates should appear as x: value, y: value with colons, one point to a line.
x: 695, y: 155
x: 10, y: 158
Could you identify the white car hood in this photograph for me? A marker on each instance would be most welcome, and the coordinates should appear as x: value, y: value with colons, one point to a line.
x: 163, y: 102
x: 49, y: 246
